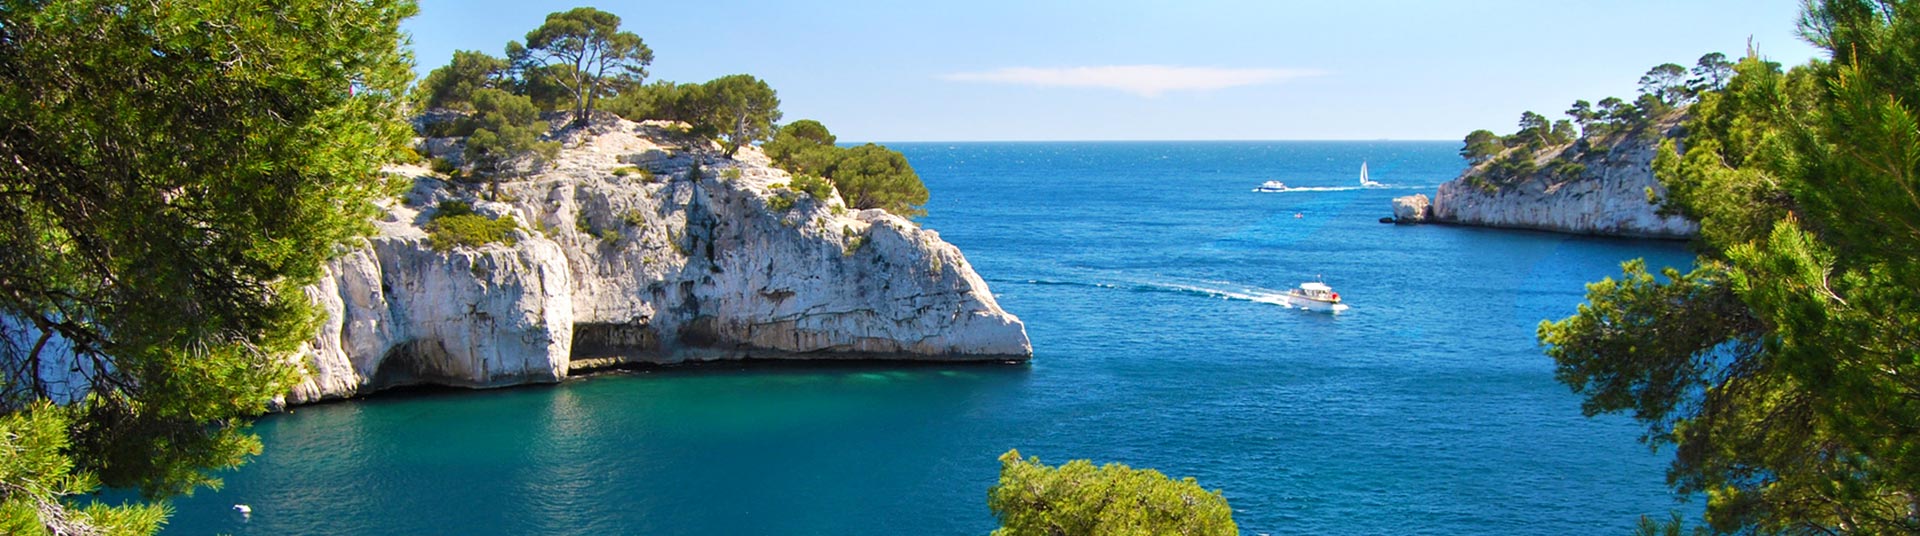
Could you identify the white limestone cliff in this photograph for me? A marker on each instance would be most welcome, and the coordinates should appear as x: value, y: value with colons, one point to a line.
x: 631, y: 256
x: 1607, y: 197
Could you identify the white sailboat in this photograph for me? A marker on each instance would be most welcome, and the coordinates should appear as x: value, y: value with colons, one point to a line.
x: 1364, y: 181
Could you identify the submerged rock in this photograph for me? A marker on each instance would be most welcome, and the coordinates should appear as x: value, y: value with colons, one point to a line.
x: 643, y: 247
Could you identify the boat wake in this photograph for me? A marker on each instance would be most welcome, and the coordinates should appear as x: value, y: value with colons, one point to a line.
x: 1375, y: 186
x: 1210, y: 289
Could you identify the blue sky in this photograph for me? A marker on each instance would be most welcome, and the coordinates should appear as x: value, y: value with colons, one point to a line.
x: 1136, y: 70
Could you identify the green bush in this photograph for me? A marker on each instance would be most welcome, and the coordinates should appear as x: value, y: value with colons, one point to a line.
x: 871, y: 176
x: 1079, y: 499
x: 730, y: 174
x: 458, y: 127
x: 1568, y: 170
x: 634, y: 218
x: 451, y: 208
x: 813, y: 185
x: 624, y: 171
x: 396, y: 186
x: 854, y: 242
x: 469, y: 230
x: 509, y: 127
x: 442, y: 165
x: 780, y: 201
x: 610, y: 235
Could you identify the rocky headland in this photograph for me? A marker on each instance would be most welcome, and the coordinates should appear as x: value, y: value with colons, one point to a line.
x: 1596, y: 185
x: 640, y: 245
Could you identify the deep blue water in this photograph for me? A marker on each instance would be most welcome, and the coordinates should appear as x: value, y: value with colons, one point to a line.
x: 1426, y: 409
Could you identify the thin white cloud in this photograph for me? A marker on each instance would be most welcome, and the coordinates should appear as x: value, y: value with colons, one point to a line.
x: 1142, y: 80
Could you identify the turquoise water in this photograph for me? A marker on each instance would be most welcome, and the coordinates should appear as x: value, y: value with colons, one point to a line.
x: 1426, y: 409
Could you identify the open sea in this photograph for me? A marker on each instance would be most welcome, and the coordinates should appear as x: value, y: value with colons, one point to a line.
x: 1145, y: 273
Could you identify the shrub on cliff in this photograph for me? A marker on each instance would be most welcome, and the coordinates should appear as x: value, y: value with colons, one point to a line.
x: 508, y: 129
x: 455, y: 224
x: 813, y: 185
x: 176, y: 173
x: 868, y: 176
x: 1078, y: 499
x: 803, y: 147
x: 871, y: 176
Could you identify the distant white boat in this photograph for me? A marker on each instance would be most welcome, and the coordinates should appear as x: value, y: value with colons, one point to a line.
x: 1315, y: 296
x: 1364, y: 181
x: 1271, y: 186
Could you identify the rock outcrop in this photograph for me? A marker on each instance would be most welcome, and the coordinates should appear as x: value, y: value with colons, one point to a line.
x: 1412, y: 208
x: 642, y: 246
x: 1605, y: 195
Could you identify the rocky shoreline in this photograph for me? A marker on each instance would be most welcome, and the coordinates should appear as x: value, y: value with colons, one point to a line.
x: 641, y: 246
x: 1614, y: 193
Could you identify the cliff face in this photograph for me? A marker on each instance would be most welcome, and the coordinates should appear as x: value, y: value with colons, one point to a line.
x: 1607, y: 197
x: 635, y: 257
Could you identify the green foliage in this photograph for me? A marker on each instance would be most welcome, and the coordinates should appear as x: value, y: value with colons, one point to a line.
x: 452, y: 86
x: 460, y: 227
x: 803, y: 147
x: 1535, y: 132
x: 1666, y: 84
x: 509, y: 129
x: 1562, y: 133
x: 396, y: 186
x: 1482, y: 145
x: 871, y: 176
x: 609, y: 235
x: 745, y: 109
x: 780, y: 201
x: 1514, y: 166
x: 454, y: 224
x: 668, y: 101
x: 178, y: 171
x: 814, y: 186
x: 1582, y: 113
x: 732, y: 173
x: 34, y: 467
x: 584, y: 53
x: 633, y: 218
x: 1780, y: 368
x: 443, y: 166
x: 1711, y: 73
x: 1078, y: 499
x: 1567, y: 169
x: 544, y: 87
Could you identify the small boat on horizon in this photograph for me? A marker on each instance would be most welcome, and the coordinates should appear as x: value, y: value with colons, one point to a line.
x: 1271, y: 186
x: 1315, y: 296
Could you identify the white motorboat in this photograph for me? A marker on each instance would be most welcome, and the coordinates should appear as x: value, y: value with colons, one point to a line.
x: 1315, y: 296
x: 1271, y: 186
